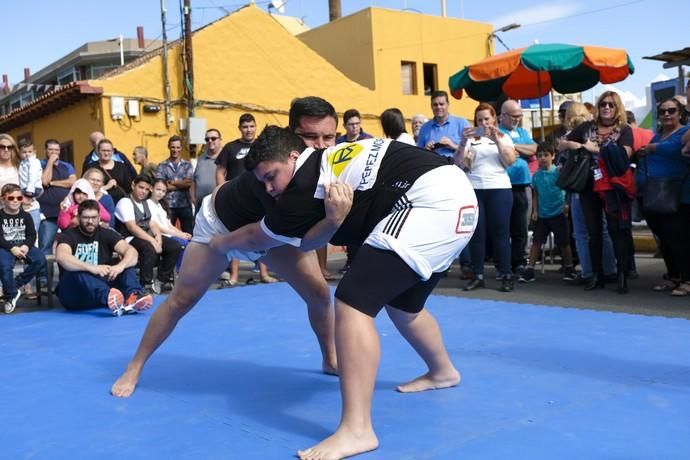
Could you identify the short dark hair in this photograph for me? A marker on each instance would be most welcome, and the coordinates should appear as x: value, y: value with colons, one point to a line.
x: 103, y: 141
x: 216, y: 130
x: 393, y: 122
x: 547, y: 145
x: 273, y: 144
x: 24, y: 143
x: 88, y: 205
x: 350, y: 113
x: 246, y: 118
x: 142, y: 178
x: 630, y: 116
x: 174, y: 138
x: 9, y: 188
x: 51, y: 141
x: 310, y: 106
x: 439, y: 93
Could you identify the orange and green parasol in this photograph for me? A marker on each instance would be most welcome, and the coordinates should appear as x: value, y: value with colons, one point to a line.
x: 533, y: 71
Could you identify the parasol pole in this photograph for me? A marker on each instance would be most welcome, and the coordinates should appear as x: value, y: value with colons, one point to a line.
x: 541, y: 112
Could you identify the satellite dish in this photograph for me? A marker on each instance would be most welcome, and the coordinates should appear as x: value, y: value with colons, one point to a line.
x: 277, y: 5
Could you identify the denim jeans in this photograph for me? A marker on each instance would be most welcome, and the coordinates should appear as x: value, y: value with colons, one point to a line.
x: 84, y: 291
x: 34, y: 261
x: 494, y: 221
x: 582, y: 241
x: 46, y: 234
x: 519, y: 221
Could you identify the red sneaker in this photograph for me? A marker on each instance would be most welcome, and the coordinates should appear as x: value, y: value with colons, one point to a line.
x: 136, y: 302
x: 116, y: 302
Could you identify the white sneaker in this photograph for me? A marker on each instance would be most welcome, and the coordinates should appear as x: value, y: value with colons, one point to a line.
x: 11, y: 304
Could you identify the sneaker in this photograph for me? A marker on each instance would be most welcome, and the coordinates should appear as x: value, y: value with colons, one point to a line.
x: 137, y: 302
x: 527, y: 276
x: 152, y: 288
x: 519, y: 275
x: 507, y: 284
x: 256, y: 267
x: 166, y: 286
x: 11, y: 303
x: 116, y: 302
x: 568, y: 274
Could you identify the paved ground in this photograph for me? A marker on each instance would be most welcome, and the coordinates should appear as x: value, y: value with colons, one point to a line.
x: 547, y: 290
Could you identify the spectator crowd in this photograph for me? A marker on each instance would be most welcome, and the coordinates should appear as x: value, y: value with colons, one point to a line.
x: 119, y: 232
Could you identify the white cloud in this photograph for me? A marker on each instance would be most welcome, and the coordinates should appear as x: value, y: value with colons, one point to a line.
x: 537, y: 14
x: 661, y: 77
x: 637, y: 104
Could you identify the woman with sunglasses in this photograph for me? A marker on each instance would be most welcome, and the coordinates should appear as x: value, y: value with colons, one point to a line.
x: 9, y: 160
x: 663, y: 157
x: 609, y: 140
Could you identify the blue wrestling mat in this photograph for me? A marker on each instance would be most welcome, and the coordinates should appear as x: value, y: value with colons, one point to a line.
x: 239, y: 379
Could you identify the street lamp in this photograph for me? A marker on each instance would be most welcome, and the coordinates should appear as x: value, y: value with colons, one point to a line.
x: 512, y: 26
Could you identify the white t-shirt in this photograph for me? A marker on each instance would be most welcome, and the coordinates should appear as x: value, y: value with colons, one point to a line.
x: 406, y: 138
x: 159, y: 215
x: 488, y: 171
x: 124, y: 211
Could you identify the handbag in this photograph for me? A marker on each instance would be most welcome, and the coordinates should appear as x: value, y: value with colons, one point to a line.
x: 661, y: 195
x: 574, y: 174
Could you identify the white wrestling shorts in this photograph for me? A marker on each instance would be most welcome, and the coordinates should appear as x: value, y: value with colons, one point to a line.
x: 207, y: 225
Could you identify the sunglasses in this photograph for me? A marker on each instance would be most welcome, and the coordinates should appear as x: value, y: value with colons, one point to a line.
x: 607, y: 104
x: 669, y: 111
x: 209, y: 139
x: 13, y: 198
x: 6, y: 147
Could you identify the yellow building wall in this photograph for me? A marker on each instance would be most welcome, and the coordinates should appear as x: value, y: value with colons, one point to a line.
x: 71, y: 124
x: 248, y: 62
x: 348, y: 44
x: 245, y: 62
x: 370, y: 45
x: 449, y: 43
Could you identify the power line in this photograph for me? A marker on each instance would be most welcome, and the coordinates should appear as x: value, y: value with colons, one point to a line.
x: 584, y: 13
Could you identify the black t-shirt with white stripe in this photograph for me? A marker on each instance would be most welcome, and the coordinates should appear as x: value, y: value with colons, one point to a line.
x: 380, y: 171
x: 242, y: 201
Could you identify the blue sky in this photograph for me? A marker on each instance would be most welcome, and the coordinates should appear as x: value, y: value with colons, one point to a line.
x: 38, y: 32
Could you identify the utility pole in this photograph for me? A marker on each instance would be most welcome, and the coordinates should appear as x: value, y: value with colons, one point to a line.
x: 189, y: 69
x: 334, y: 10
x: 166, y: 78
x: 188, y: 58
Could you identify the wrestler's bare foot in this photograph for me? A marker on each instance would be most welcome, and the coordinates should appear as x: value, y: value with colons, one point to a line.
x: 328, y: 368
x: 125, y: 385
x: 431, y: 381
x: 341, y: 444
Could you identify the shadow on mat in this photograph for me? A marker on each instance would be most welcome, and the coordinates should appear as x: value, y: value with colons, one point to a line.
x: 266, y: 394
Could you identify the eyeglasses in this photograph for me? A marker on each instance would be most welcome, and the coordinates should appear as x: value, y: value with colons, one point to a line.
x: 89, y: 217
x: 13, y: 198
x: 669, y: 111
x: 607, y: 104
x: 209, y: 139
x: 6, y: 147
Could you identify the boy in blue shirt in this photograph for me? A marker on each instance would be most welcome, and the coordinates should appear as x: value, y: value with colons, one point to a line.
x: 550, y: 211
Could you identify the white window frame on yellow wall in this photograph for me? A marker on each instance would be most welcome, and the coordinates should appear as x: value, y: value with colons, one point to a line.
x: 408, y: 77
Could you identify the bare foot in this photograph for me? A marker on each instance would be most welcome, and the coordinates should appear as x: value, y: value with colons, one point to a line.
x: 125, y: 385
x: 431, y: 381
x: 343, y: 443
x: 329, y: 368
